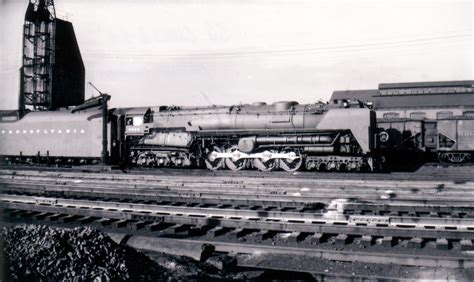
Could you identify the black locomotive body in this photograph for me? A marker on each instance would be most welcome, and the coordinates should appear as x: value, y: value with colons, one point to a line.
x: 284, y: 135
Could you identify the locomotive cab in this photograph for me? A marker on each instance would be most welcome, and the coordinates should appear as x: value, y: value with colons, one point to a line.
x: 137, y: 121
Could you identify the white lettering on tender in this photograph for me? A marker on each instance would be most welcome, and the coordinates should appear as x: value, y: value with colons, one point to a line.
x: 44, y: 131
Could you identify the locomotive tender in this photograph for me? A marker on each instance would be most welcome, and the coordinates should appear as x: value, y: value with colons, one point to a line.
x: 284, y: 135
x: 54, y: 137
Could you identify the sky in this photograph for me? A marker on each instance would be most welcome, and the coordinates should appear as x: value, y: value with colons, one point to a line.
x: 203, y: 52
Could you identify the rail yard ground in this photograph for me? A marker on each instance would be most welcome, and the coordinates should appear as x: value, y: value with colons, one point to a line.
x: 198, y: 224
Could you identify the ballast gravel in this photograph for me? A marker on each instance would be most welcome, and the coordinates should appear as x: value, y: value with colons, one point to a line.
x: 42, y: 253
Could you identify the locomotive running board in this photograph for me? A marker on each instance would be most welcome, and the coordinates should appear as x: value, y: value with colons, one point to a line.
x: 265, y: 156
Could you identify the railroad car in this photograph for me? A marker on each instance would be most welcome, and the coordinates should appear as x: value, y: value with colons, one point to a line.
x: 284, y: 135
x: 430, y: 117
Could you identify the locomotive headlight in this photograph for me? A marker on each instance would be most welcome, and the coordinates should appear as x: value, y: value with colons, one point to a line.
x: 383, y: 136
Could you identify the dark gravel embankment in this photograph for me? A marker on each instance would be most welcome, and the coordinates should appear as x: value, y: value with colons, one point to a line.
x: 35, y: 253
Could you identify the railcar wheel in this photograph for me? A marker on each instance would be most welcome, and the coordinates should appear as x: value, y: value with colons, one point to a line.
x: 310, y: 164
x: 342, y: 167
x: 235, y: 163
x: 213, y: 163
x: 265, y: 164
x: 454, y: 157
x: 291, y: 165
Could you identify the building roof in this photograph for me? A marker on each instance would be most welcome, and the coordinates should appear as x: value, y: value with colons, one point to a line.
x: 414, y: 95
x: 458, y: 83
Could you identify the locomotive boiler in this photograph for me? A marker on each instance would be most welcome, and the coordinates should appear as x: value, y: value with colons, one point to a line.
x: 284, y: 135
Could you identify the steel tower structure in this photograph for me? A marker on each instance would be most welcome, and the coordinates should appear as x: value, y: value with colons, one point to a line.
x: 52, y: 74
x: 38, y: 56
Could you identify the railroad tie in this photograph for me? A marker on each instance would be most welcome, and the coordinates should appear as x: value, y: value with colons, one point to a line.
x: 237, y: 233
x: 416, y: 243
x: 217, y: 231
x: 120, y: 223
x: 154, y: 226
x: 41, y: 216
x: 53, y: 217
x: 442, y: 244
x: 29, y: 214
x: 466, y: 245
x: 388, y: 241
x: 136, y: 225
x: 342, y: 239
x: 265, y: 234
x: 103, y: 221
x: 295, y: 237
x: 367, y: 240
x: 68, y: 218
x: 317, y: 238
x: 180, y: 228
x: 196, y: 230
x: 17, y: 213
x: 87, y: 219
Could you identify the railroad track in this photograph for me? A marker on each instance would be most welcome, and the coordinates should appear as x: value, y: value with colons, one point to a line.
x: 409, y: 196
x: 419, y: 223
x: 249, y: 233
x: 430, y: 171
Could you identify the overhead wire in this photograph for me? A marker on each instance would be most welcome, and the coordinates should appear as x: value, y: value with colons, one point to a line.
x: 282, y: 52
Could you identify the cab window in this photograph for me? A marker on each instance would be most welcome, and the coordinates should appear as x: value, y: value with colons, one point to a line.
x: 134, y: 121
x: 137, y: 121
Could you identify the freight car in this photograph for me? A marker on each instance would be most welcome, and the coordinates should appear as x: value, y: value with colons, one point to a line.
x: 433, y: 118
x: 450, y: 139
x: 283, y: 135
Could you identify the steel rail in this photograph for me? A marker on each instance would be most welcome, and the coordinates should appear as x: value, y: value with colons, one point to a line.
x: 239, y: 218
x: 349, y: 256
x: 244, y: 194
x: 170, y: 179
x: 419, y: 175
x: 437, y: 190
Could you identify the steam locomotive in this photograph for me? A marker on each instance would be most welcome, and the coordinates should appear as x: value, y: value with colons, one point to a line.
x: 284, y: 135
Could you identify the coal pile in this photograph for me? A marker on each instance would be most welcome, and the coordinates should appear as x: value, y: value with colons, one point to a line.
x: 33, y: 252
